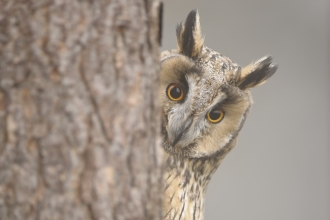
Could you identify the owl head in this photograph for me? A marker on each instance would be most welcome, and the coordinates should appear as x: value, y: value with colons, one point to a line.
x: 205, y: 96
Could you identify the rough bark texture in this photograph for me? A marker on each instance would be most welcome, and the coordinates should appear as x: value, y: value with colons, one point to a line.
x: 79, y: 118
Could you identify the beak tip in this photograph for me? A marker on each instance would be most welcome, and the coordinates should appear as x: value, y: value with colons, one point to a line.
x: 176, y: 140
x: 184, y: 129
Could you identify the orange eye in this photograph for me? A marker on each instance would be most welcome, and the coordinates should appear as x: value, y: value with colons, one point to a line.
x: 174, y: 92
x: 215, y: 115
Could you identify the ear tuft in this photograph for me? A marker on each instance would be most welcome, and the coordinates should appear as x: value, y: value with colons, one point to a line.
x: 189, y: 36
x: 256, y: 73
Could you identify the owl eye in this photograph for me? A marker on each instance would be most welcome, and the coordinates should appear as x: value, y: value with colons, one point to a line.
x: 174, y: 92
x: 215, y: 115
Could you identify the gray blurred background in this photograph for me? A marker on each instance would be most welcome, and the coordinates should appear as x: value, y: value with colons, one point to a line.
x: 280, y: 168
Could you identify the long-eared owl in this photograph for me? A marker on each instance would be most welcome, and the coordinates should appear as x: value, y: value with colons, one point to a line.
x: 205, y: 99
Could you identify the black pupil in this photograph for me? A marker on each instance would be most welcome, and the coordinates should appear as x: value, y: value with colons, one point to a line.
x: 175, y: 92
x: 215, y: 114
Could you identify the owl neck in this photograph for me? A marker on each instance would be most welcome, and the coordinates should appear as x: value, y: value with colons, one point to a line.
x: 186, y: 180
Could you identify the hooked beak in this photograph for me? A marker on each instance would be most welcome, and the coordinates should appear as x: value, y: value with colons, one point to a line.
x: 184, y: 127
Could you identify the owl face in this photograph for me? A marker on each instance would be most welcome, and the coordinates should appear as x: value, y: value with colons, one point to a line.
x: 203, y: 112
x: 204, y: 95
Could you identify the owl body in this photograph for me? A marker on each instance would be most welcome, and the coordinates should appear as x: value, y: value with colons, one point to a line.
x: 205, y: 99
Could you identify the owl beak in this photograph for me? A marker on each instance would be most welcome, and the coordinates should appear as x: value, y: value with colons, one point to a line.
x: 185, y: 126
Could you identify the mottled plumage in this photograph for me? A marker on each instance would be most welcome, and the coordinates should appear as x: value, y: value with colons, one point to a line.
x: 205, y: 100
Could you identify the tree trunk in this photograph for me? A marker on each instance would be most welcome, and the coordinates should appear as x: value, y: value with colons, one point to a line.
x: 79, y: 116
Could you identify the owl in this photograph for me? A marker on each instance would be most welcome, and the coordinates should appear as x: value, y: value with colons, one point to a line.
x: 205, y: 99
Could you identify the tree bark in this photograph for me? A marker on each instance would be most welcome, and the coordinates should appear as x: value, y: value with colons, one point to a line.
x: 79, y: 115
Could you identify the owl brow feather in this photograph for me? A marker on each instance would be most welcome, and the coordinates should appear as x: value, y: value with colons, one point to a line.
x: 190, y: 70
x: 232, y: 96
x: 216, y: 102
